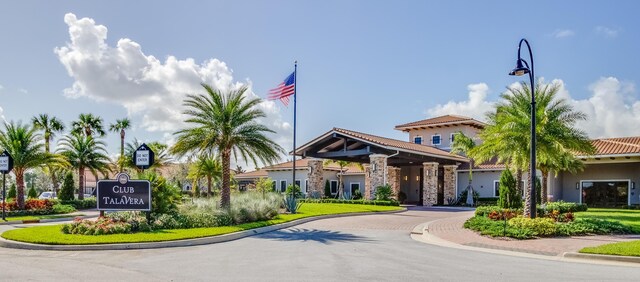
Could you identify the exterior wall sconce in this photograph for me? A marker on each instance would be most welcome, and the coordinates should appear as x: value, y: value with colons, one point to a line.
x: 428, y: 172
x: 417, y: 177
x: 373, y: 167
x: 633, y: 186
x: 577, y: 185
x: 406, y: 178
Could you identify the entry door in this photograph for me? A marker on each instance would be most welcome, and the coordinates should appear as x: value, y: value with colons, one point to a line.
x: 440, y: 200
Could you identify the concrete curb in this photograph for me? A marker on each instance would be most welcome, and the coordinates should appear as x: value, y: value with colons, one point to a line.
x: 601, y: 257
x: 179, y: 243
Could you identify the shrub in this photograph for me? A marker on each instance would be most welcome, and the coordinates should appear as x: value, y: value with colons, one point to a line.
x: 87, y: 203
x: 103, y: 225
x: 357, y: 195
x: 509, y: 197
x: 32, y: 193
x: 402, y: 197
x: 486, y: 210
x: 384, y: 193
x: 462, y: 198
x: 164, y: 196
x: 264, y: 185
x: 584, y: 226
x: 502, y: 215
x: 562, y: 207
x: 295, y: 190
x: 291, y: 204
x: 491, y: 201
x: 59, y: 208
x: 327, y: 189
x: 68, y: 188
x: 392, y: 202
x: 540, y: 226
x: 493, y: 228
x: 12, y: 191
x: 250, y: 207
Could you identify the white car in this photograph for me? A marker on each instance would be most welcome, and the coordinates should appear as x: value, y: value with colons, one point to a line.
x: 48, y: 195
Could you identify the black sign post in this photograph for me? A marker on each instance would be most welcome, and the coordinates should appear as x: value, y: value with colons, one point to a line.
x: 143, y: 157
x: 6, y: 165
x: 123, y: 194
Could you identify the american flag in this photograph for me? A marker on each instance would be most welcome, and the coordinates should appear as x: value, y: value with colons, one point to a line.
x: 284, y: 89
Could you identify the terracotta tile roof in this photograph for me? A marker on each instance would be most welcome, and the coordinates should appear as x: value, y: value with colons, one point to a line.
x: 441, y: 120
x: 617, y: 146
x: 488, y: 165
x: 252, y: 174
x: 388, y: 142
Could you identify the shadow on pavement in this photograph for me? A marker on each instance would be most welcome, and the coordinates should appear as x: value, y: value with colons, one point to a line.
x: 320, y: 236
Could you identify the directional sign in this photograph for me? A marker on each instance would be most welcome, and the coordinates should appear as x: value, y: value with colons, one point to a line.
x: 6, y: 162
x: 143, y: 157
x: 123, y: 194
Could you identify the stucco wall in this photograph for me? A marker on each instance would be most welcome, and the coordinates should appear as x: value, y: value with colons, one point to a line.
x: 348, y: 179
x: 445, y: 134
x: 619, y: 171
x: 482, y: 182
x: 301, y: 174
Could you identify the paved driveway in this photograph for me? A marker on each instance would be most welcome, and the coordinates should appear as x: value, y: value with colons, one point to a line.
x: 372, y: 248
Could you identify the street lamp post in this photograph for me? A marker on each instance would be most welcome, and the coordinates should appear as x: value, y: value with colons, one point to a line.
x: 519, y: 71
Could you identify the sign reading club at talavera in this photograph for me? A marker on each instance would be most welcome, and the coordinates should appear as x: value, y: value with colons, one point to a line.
x: 124, y: 194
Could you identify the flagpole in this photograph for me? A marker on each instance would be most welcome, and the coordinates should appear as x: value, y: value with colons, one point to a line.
x: 295, y: 77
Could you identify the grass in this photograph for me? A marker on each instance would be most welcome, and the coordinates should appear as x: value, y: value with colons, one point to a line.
x: 51, y: 234
x: 39, y: 217
x: 631, y: 248
x: 626, y: 217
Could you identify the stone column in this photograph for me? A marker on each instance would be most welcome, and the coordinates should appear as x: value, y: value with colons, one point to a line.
x: 449, y: 182
x: 316, y: 179
x: 367, y: 181
x: 430, y: 184
x: 376, y: 174
x: 393, y: 178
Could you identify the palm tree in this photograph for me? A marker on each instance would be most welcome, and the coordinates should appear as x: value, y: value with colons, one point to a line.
x: 50, y: 126
x: 26, y: 147
x: 507, y: 134
x: 463, y: 144
x: 342, y: 165
x: 84, y: 152
x: 120, y: 126
x: 226, y: 123
x: 206, y: 166
x: 88, y: 124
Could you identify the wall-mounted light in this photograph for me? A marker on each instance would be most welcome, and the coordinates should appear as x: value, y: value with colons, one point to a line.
x: 577, y: 185
x: 406, y: 178
x: 417, y: 177
x: 633, y: 186
x: 428, y: 172
x: 373, y: 167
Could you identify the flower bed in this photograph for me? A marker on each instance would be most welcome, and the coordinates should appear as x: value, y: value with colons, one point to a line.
x: 37, y: 207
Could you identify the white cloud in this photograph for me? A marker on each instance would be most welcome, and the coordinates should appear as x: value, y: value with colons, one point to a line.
x: 613, y: 109
x: 476, y: 106
x: 562, y: 33
x: 606, y: 31
x: 23, y: 91
x: 148, y: 88
x: 1, y: 87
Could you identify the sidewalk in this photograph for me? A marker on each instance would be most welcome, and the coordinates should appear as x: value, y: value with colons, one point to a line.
x: 451, y: 229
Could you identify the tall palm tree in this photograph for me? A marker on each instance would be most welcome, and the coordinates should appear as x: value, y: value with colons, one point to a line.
x: 207, y: 166
x: 463, y: 144
x: 507, y: 134
x: 342, y: 165
x: 120, y: 126
x: 50, y: 126
x: 84, y: 153
x: 226, y: 123
x: 26, y: 147
x: 88, y: 124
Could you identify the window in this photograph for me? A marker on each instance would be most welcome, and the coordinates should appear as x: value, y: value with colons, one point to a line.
x: 355, y: 188
x: 417, y: 139
x: 435, y: 139
x: 283, y: 185
x: 334, y: 187
x: 496, y: 188
x: 298, y: 184
x: 306, y: 185
x: 273, y: 185
x: 453, y: 136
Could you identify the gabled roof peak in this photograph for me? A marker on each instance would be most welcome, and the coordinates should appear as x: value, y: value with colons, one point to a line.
x: 440, y: 121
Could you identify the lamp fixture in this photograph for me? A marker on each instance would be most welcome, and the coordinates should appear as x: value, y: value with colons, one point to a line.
x: 417, y: 177
x: 406, y: 178
x: 577, y: 185
x: 520, y: 70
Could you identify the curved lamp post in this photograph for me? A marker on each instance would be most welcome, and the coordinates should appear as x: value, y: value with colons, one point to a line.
x: 519, y: 71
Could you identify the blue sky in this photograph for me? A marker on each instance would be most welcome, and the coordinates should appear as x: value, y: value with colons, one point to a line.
x: 363, y: 65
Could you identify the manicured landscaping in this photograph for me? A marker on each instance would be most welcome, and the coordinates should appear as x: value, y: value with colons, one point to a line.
x: 40, y: 217
x: 631, y: 248
x: 626, y: 217
x: 52, y: 234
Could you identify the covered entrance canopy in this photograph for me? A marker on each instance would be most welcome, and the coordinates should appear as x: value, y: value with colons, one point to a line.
x: 383, y: 159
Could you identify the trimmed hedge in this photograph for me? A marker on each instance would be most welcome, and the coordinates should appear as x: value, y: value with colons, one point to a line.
x: 88, y: 203
x: 357, y: 202
x: 560, y: 206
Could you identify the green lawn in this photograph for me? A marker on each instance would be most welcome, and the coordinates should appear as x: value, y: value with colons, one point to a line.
x: 51, y: 234
x: 38, y: 217
x: 627, y: 217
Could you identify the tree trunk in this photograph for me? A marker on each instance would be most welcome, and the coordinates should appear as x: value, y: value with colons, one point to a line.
x: 121, y: 150
x: 340, y: 188
x: 225, y: 197
x: 528, y: 196
x: 81, y: 183
x: 54, y: 180
x: 519, y: 183
x: 543, y: 186
x: 208, y: 185
x: 20, y: 188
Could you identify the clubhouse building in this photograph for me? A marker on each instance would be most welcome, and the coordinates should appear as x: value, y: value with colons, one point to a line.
x: 424, y: 171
